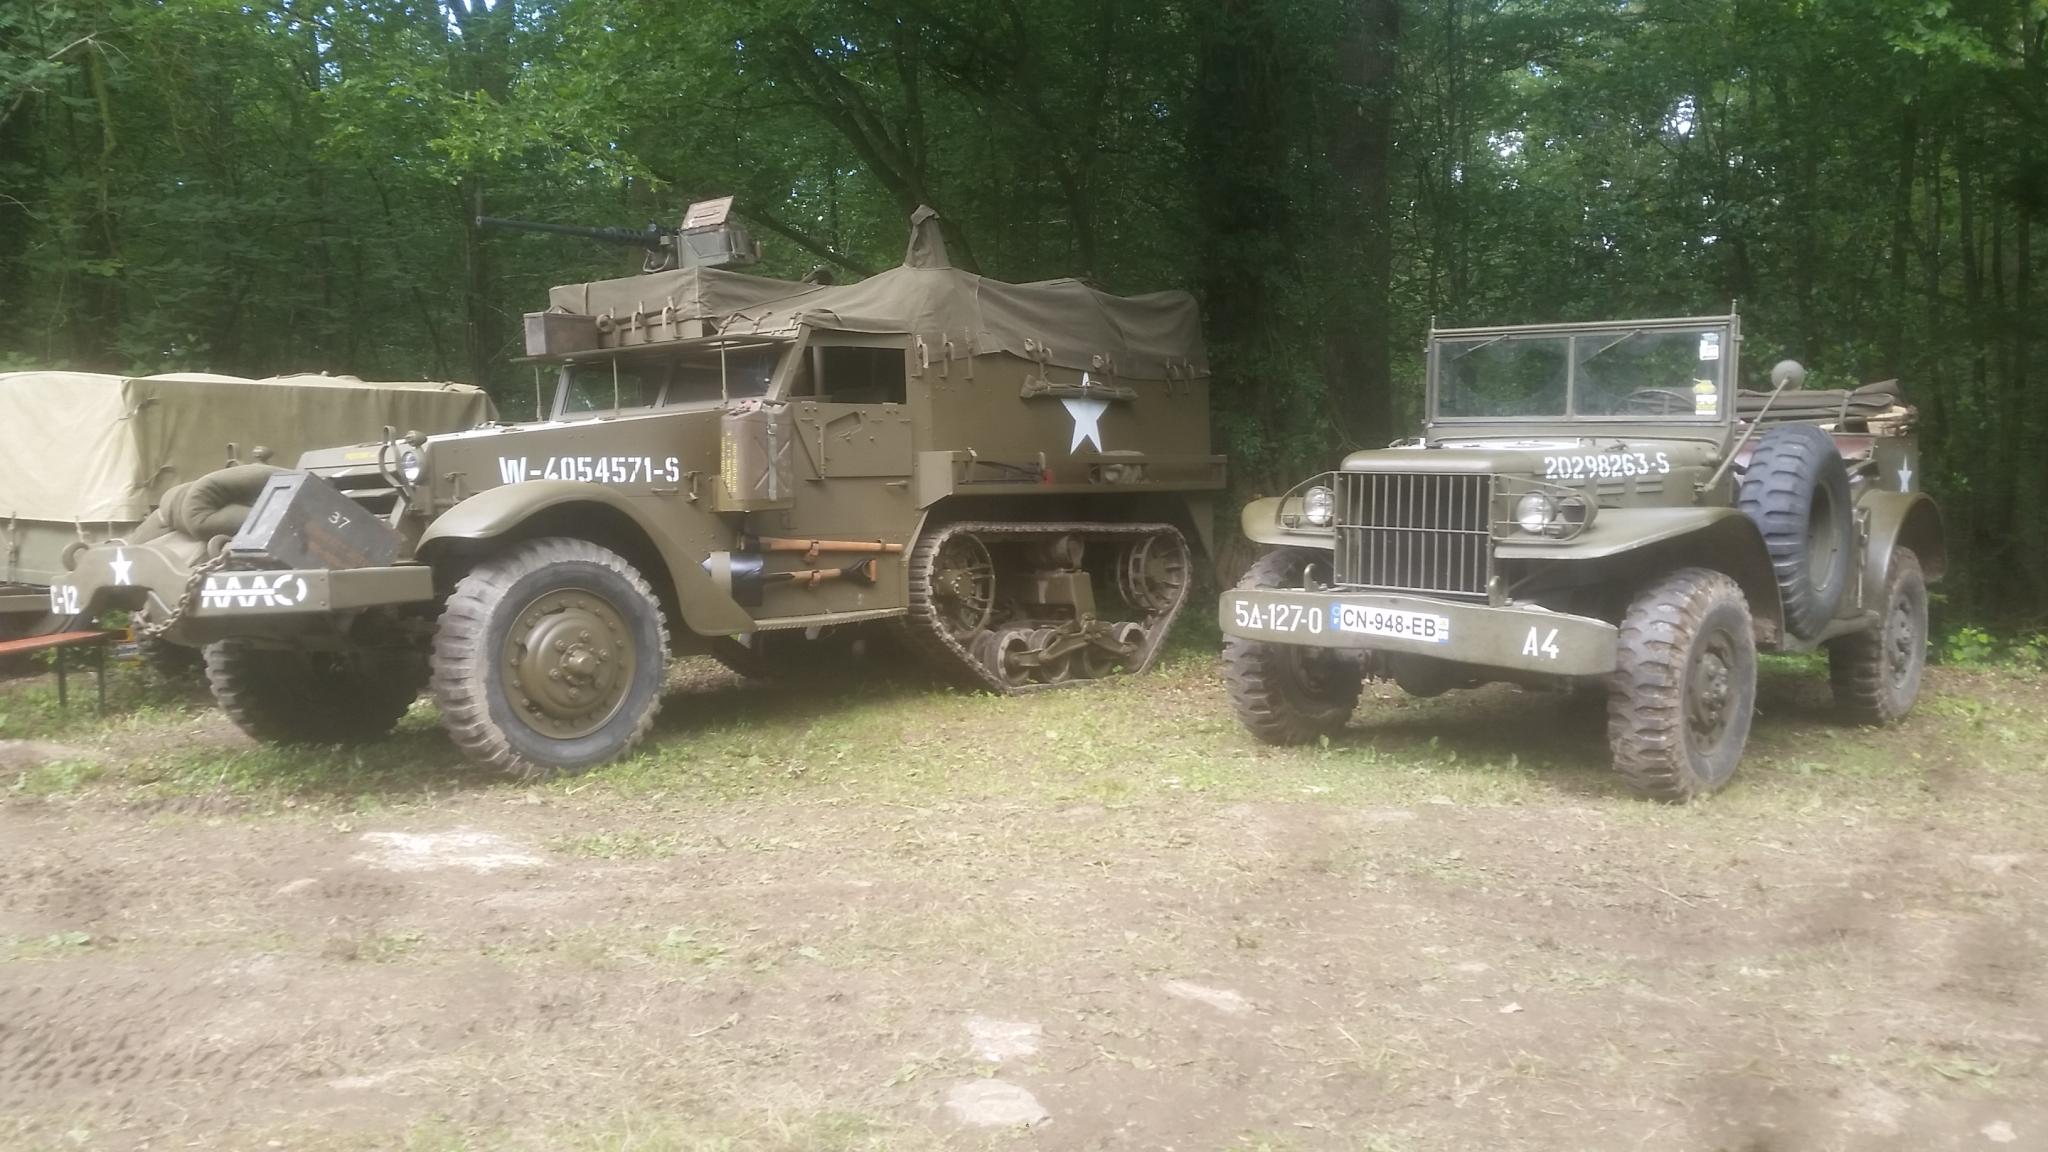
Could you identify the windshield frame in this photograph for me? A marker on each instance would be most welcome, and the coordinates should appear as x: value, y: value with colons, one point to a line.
x: 1729, y: 326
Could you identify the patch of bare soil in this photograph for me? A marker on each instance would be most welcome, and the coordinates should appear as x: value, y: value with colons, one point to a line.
x: 839, y: 969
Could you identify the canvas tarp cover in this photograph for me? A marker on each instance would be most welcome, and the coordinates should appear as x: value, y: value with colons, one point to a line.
x: 1155, y: 336
x: 90, y: 448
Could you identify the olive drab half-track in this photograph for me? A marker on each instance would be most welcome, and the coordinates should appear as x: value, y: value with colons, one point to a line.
x: 1600, y: 506
x: 1012, y: 480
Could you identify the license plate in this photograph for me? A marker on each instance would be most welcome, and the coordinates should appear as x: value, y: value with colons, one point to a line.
x: 1279, y: 617
x: 1427, y: 627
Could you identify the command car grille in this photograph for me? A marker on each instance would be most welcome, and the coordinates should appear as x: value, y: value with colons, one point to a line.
x: 1414, y: 532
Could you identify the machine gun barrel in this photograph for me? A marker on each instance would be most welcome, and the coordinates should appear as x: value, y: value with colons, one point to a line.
x: 652, y: 237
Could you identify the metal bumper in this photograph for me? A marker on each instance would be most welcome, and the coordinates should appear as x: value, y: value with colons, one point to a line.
x: 1521, y: 637
x: 311, y: 591
x: 113, y: 576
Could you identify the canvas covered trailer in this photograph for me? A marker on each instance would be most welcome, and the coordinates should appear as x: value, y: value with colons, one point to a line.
x: 86, y: 456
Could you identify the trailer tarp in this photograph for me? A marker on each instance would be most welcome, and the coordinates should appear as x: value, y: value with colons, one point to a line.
x: 86, y: 448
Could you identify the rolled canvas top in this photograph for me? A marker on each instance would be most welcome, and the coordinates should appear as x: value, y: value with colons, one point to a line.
x: 93, y: 448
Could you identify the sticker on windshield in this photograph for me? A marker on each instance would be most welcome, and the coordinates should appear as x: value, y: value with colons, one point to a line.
x: 1710, y: 346
x: 1706, y: 398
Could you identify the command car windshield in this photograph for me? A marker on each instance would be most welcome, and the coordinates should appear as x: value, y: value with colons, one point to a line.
x: 1645, y: 373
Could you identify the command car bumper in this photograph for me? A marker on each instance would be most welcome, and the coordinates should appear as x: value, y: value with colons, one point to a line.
x: 1514, y: 636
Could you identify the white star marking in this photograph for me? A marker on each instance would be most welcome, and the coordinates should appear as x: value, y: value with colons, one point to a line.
x: 1905, y: 476
x: 1087, y: 416
x: 121, y: 565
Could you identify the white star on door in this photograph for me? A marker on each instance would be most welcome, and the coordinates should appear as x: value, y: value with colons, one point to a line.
x: 1087, y: 416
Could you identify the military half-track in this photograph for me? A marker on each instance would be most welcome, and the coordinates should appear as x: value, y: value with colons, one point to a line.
x: 1016, y: 478
x: 1599, y: 506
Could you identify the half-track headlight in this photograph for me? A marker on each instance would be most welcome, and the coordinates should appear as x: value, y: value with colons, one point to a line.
x: 1319, y: 507
x: 411, y: 466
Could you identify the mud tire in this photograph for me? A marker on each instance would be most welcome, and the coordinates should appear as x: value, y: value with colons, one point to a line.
x: 1289, y: 693
x: 1876, y: 674
x: 1796, y: 490
x: 294, y: 696
x: 1683, y: 693
x: 470, y: 679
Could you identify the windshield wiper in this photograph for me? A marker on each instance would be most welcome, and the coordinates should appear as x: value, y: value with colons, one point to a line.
x: 1478, y: 346
x: 1626, y: 336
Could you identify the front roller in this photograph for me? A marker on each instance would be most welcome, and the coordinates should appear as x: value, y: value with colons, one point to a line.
x: 549, y: 658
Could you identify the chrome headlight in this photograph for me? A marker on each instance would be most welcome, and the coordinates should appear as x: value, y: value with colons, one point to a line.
x: 1319, y: 507
x: 1534, y: 512
x: 411, y: 466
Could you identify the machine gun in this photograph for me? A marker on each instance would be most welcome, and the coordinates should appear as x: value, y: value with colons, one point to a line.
x: 706, y: 238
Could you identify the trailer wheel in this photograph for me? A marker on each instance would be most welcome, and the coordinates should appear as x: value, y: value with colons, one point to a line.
x: 1680, y: 703
x: 1876, y: 674
x: 549, y: 658
x: 296, y: 696
x: 1289, y: 693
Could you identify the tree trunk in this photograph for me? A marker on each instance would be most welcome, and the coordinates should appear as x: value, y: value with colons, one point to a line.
x: 1360, y: 145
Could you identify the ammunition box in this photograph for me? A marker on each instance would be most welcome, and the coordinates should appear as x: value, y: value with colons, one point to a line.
x: 301, y: 521
x: 559, y: 333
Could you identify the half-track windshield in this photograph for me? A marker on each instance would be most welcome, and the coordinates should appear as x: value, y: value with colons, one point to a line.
x: 1661, y: 371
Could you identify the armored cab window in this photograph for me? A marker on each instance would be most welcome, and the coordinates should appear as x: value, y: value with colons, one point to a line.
x: 854, y: 375
x: 611, y: 385
x: 727, y: 373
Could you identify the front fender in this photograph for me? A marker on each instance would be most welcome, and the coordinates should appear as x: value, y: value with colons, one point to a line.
x: 1260, y: 522
x: 498, y: 513
x: 1661, y: 538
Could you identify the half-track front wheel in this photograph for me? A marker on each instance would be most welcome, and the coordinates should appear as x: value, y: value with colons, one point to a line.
x: 1289, y: 693
x: 1876, y: 674
x: 297, y: 696
x: 1684, y: 690
x: 549, y: 658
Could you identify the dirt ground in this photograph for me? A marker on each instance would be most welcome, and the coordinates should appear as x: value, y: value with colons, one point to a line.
x: 885, y: 916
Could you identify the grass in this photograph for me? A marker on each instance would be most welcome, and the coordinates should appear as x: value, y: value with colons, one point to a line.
x: 900, y: 740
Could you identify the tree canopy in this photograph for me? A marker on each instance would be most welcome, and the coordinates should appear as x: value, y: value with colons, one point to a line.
x: 289, y: 185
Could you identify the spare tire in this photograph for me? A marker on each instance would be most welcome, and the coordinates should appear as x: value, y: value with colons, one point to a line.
x: 1796, y: 489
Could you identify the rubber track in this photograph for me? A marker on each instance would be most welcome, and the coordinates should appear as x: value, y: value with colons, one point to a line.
x: 459, y: 681
x: 929, y: 639
x: 1646, y: 705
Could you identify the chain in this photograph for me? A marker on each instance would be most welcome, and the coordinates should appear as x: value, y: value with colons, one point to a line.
x: 187, y: 600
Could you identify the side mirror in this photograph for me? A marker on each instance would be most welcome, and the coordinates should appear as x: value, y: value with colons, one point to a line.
x: 1788, y: 374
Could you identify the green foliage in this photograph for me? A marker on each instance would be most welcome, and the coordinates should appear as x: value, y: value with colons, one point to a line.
x: 205, y: 184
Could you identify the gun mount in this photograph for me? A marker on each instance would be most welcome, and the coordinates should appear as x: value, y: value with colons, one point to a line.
x: 707, y: 238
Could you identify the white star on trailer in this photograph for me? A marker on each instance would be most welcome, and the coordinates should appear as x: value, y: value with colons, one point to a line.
x: 1087, y: 416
